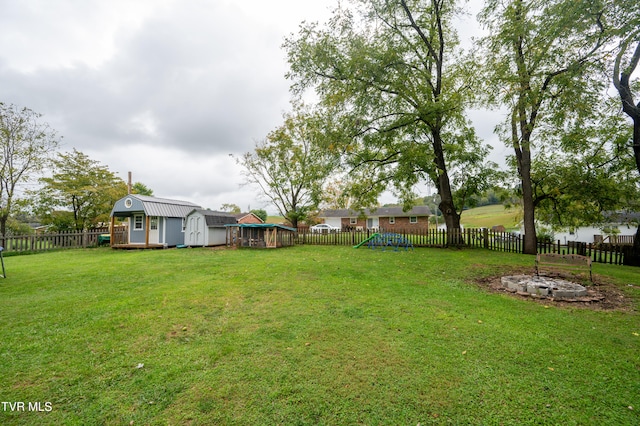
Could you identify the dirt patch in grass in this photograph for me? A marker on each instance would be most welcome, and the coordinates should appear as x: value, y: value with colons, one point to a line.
x: 601, y: 294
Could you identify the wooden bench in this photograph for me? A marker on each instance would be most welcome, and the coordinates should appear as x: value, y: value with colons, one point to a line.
x: 574, y: 264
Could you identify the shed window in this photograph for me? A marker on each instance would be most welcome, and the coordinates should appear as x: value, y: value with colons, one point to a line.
x: 137, y: 222
x: 413, y: 219
x: 392, y: 220
x: 353, y: 220
x: 153, y: 223
x: 184, y: 224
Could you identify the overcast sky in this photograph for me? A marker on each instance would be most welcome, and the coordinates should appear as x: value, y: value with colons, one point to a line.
x: 166, y: 89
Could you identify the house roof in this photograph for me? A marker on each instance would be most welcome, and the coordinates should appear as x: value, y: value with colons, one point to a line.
x: 240, y: 216
x: 153, y: 206
x: 216, y: 219
x: 378, y: 212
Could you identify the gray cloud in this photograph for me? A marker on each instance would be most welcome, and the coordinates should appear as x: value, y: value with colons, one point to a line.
x: 163, y: 88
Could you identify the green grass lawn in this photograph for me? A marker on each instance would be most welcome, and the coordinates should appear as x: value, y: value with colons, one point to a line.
x: 306, y: 335
x: 488, y: 216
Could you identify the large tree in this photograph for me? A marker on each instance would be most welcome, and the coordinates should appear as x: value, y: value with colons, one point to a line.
x: 542, y: 65
x: 291, y: 166
x: 80, y: 193
x: 391, y: 71
x: 587, y: 175
x: 626, y: 17
x: 26, y: 145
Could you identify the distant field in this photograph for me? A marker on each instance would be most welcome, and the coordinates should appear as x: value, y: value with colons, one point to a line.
x: 488, y: 216
x: 275, y: 219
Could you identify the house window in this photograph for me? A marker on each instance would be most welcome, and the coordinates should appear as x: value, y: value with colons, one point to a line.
x: 413, y: 219
x: 137, y: 222
x: 153, y: 223
x: 392, y: 220
x: 353, y: 221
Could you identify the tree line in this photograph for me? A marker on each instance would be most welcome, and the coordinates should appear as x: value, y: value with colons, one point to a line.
x: 65, y: 191
x: 393, y: 86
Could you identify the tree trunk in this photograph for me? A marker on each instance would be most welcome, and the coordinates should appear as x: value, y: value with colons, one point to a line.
x: 622, y: 82
x: 3, y: 229
x: 523, y: 156
x: 447, y: 205
x: 530, y: 240
x: 636, y: 152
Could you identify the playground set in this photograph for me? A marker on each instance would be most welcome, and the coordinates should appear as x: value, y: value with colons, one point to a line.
x: 386, y: 240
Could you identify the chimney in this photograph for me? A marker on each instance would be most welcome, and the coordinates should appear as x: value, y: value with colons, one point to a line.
x: 129, y: 184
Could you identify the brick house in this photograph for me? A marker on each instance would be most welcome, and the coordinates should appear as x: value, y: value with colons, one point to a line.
x: 248, y: 218
x: 387, y: 219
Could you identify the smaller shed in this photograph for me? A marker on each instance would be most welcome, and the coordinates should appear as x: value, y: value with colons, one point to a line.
x: 260, y: 235
x: 207, y: 227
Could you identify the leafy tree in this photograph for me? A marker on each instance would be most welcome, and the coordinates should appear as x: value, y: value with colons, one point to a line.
x: 80, y: 193
x: 230, y: 208
x: 394, y: 79
x: 543, y: 57
x: 625, y: 16
x: 261, y: 213
x: 26, y: 145
x: 586, y: 179
x: 290, y: 166
x: 142, y: 189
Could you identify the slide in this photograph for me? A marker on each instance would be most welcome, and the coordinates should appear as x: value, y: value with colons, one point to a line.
x: 366, y: 240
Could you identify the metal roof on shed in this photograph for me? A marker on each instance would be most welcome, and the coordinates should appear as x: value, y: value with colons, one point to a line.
x: 164, y: 207
x: 216, y: 219
x: 153, y: 206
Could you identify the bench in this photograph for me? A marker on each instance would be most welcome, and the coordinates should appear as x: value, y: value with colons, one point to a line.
x: 574, y: 264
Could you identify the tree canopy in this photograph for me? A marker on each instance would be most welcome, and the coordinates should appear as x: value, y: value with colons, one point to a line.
x: 625, y: 18
x: 392, y: 75
x: 80, y: 194
x: 26, y: 145
x: 290, y: 166
x: 546, y: 58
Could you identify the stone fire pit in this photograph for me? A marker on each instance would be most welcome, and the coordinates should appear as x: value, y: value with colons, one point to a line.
x: 543, y: 286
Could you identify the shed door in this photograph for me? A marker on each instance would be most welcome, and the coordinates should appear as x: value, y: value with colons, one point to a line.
x: 196, y: 237
x: 270, y: 237
x: 154, y: 233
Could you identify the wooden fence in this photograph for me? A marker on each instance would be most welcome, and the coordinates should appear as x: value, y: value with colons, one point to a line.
x: 474, y: 237
x: 603, y: 252
x: 63, y: 240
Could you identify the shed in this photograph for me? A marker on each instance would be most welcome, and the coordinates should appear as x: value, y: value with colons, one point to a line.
x: 207, y: 227
x: 152, y: 222
x: 260, y: 235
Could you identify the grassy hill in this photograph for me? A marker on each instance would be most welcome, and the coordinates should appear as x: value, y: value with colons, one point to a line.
x: 488, y: 216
